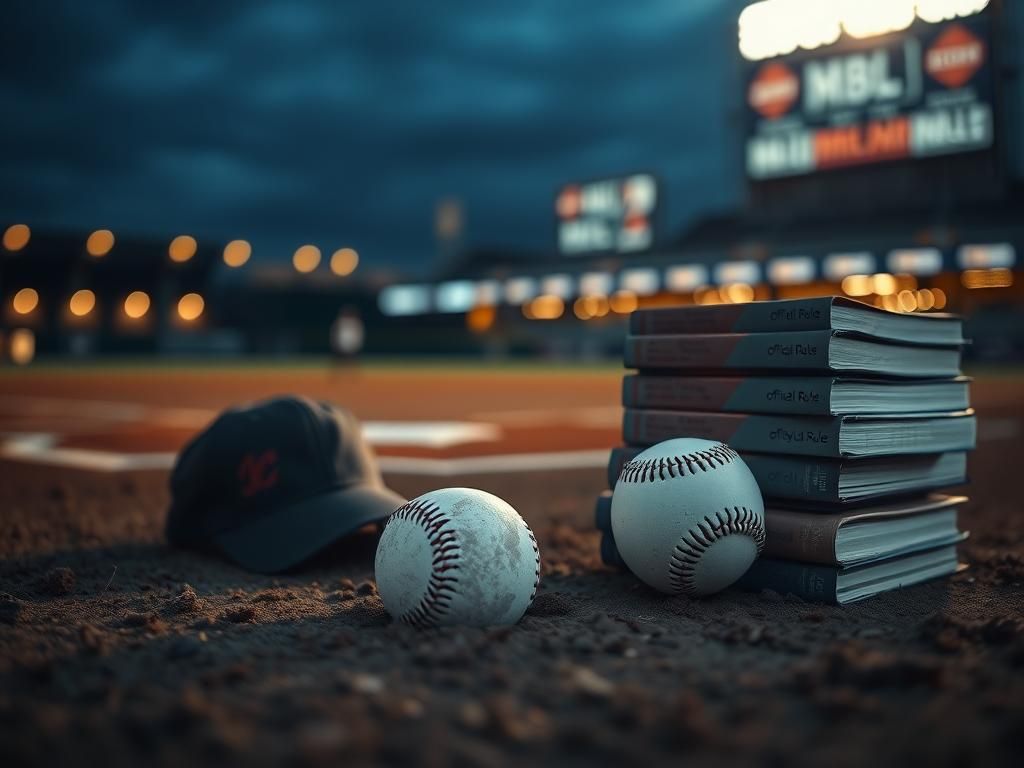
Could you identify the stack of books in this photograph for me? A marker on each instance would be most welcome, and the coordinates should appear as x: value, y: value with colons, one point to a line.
x: 850, y: 417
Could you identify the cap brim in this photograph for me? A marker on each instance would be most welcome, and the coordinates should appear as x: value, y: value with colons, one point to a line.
x: 284, y: 538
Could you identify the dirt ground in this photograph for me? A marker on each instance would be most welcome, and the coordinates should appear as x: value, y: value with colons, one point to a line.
x: 117, y: 650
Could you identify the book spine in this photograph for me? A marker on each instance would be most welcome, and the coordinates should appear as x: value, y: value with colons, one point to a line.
x: 758, y: 317
x: 810, y: 396
x: 815, y: 583
x: 603, y: 512
x: 617, y: 460
x: 800, y: 435
x: 803, y: 351
x: 793, y: 477
x: 802, y: 536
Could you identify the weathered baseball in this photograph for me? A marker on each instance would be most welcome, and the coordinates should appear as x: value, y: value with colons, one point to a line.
x: 457, y: 556
x: 687, y: 516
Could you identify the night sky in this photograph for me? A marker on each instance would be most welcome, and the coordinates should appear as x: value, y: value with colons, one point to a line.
x: 343, y: 124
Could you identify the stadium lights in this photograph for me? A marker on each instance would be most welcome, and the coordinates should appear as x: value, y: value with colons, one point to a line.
x: 685, y: 277
x: 306, y: 258
x: 987, y: 256
x: 25, y: 301
x: 519, y: 290
x: 82, y: 302
x: 236, y: 253
x: 643, y: 281
x: 344, y: 261
x: 182, y: 248
x: 623, y: 302
x: 547, y: 306
x: 16, y: 237
x: 455, y: 296
x: 23, y: 346
x: 738, y: 272
x: 136, y: 304
x: 402, y: 300
x: 916, y: 261
x: 190, y: 307
x: 778, y: 27
x: 791, y: 270
x: 99, y: 243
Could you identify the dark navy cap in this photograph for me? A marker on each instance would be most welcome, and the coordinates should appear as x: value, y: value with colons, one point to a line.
x: 273, y: 483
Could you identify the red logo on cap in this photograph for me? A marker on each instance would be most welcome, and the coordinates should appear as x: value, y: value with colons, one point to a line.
x: 955, y: 57
x: 258, y: 472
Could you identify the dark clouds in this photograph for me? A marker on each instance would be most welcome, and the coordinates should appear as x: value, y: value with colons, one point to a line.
x: 343, y: 124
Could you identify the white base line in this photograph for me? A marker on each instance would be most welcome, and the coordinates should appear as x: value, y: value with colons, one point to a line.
x: 40, y: 449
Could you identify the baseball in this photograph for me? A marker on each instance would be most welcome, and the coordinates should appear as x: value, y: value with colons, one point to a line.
x: 457, y: 556
x: 687, y: 516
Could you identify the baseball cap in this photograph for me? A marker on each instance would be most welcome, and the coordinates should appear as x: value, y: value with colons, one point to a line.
x: 272, y: 483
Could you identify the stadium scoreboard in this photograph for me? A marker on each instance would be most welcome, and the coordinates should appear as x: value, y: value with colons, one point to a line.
x: 607, y: 216
x: 920, y: 91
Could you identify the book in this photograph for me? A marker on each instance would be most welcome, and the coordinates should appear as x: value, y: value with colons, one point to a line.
x: 835, y: 313
x: 803, y: 351
x: 836, y: 482
x: 845, y: 539
x: 803, y: 395
x: 839, y: 586
x: 862, y: 536
x: 835, y: 436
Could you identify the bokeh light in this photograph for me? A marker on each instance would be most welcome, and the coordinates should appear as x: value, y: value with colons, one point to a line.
x: 545, y: 307
x: 190, y: 306
x: 25, y: 301
x: 344, y: 261
x: 99, y: 243
x: 16, y: 237
x: 136, y: 304
x: 306, y: 258
x: 82, y: 302
x: 23, y: 346
x: 237, y: 252
x: 182, y: 248
x: 623, y: 302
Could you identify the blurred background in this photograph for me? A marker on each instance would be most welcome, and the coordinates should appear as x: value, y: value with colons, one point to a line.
x: 280, y: 179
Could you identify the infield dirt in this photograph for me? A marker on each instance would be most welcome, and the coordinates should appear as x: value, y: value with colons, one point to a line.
x: 116, y: 650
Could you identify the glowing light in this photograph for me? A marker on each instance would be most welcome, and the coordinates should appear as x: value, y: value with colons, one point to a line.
x: 481, y: 319
x: 182, y: 248
x: 82, y: 302
x: 916, y: 261
x: 987, y: 278
x: 791, y: 270
x: 840, y: 265
x: 545, y: 307
x: 519, y: 290
x: 306, y: 258
x: 738, y: 293
x: 858, y: 285
x: 642, y: 281
x: 236, y: 253
x: 401, y: 300
x: 590, y: 307
x: 987, y: 256
x: 778, y: 27
x: 685, y: 277
x: 23, y: 346
x: 16, y: 237
x: 907, y: 300
x: 595, y: 283
x: 623, y: 302
x: 883, y: 284
x: 925, y: 299
x: 344, y: 261
x: 455, y: 296
x: 25, y: 301
x: 136, y: 304
x: 190, y: 307
x: 940, y: 298
x: 99, y: 243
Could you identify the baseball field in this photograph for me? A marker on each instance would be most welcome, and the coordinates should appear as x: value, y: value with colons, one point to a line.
x: 118, y: 650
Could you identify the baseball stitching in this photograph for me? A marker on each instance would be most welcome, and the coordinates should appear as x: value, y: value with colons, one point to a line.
x: 536, y: 555
x: 649, y: 470
x: 696, y: 541
x: 445, y: 564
